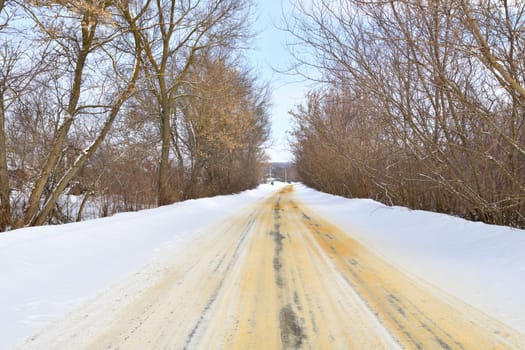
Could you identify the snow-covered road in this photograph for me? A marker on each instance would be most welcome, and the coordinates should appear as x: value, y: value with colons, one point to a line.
x: 275, y: 276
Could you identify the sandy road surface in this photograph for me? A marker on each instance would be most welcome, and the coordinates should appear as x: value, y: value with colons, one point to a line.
x: 276, y: 277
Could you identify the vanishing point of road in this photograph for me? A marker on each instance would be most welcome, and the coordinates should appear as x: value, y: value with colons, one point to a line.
x: 276, y: 276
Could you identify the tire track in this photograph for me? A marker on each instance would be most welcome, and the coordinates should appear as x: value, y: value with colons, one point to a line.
x: 286, y: 294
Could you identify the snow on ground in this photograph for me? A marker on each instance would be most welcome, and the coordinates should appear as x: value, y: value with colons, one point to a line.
x: 46, y: 272
x: 484, y: 265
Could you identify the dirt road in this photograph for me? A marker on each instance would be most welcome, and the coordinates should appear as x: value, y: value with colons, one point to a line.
x: 276, y: 277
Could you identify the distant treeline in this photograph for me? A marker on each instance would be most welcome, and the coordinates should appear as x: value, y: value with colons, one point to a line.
x: 423, y: 104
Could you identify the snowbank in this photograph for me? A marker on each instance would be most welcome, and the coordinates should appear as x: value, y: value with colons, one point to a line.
x: 484, y: 265
x: 45, y: 272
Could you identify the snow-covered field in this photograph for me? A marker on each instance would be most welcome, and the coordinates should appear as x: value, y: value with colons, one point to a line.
x: 46, y: 272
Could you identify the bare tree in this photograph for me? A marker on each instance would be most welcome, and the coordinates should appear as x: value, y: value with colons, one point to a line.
x: 17, y: 71
x: 111, y: 87
x: 224, y: 128
x: 443, y: 79
x: 80, y: 33
x: 5, y: 211
x: 173, y: 33
x: 6, y: 62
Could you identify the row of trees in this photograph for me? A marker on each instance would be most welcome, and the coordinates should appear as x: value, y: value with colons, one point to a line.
x: 127, y: 103
x: 423, y: 105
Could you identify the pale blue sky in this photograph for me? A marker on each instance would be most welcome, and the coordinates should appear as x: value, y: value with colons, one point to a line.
x: 270, y: 52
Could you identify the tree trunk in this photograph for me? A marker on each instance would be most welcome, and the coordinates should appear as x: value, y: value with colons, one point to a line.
x: 32, y: 210
x: 82, y: 206
x: 163, y: 186
x: 5, y: 205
